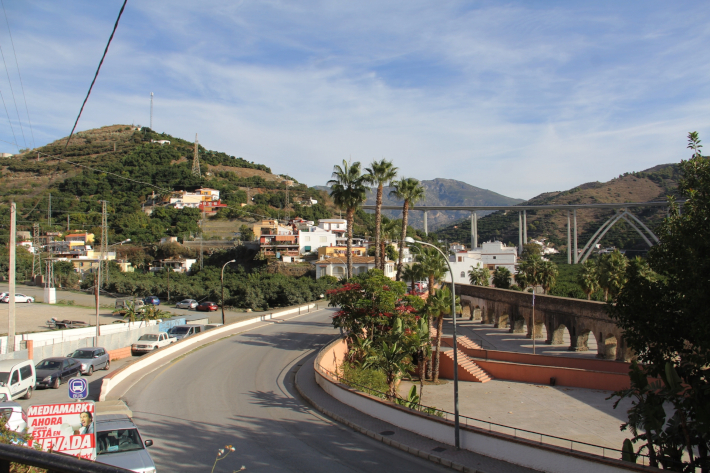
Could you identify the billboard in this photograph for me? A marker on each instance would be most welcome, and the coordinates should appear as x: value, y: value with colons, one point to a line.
x: 64, y: 428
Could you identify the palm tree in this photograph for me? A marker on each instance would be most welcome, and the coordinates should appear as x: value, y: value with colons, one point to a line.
x: 501, y: 277
x: 437, y: 306
x: 530, y: 272
x: 388, y: 230
x: 377, y: 175
x: 433, y: 266
x: 588, y: 278
x: 612, y: 273
x: 479, y: 276
x: 412, y: 272
x: 548, y: 275
x: 411, y: 191
x: 348, y: 190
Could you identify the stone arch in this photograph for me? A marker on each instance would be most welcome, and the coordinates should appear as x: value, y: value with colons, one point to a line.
x: 557, y: 336
x: 607, y: 347
x: 339, y: 272
x: 579, y: 340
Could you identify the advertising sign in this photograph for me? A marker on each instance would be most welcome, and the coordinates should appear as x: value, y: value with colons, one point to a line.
x: 65, y: 428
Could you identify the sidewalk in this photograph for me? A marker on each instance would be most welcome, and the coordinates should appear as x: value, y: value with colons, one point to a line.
x: 447, y: 455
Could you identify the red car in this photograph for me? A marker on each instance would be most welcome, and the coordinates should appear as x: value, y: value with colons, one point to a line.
x: 207, y: 306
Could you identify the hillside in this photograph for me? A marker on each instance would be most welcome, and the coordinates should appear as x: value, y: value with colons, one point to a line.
x: 653, y: 184
x: 124, y: 166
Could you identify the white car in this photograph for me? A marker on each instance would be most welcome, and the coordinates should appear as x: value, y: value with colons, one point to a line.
x: 16, y: 417
x: 19, y: 298
x: 151, y: 341
x: 187, y: 304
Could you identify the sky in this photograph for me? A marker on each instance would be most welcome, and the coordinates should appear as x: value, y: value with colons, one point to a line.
x: 516, y: 97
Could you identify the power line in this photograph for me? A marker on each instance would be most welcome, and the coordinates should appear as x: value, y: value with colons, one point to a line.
x: 12, y: 91
x: 97, y: 73
x: 8, y: 120
x: 18, y: 73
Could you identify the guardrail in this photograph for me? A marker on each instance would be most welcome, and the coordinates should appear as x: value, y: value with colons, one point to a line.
x: 52, y: 462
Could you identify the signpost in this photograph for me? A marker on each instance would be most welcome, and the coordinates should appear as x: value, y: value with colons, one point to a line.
x: 78, y: 388
x: 64, y: 428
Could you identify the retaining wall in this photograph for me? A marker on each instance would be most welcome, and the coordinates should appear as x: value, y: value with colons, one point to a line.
x: 493, y: 444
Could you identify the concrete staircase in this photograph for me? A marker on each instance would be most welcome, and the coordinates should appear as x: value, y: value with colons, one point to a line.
x: 468, y: 370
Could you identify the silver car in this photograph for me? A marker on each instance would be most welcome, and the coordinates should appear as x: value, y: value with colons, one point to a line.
x: 186, y: 304
x: 118, y: 443
x: 16, y: 417
x: 91, y: 359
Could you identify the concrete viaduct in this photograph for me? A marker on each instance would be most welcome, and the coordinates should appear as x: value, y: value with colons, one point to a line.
x: 572, y: 256
x: 513, y: 309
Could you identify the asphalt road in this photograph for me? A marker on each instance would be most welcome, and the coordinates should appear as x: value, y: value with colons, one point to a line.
x: 239, y: 391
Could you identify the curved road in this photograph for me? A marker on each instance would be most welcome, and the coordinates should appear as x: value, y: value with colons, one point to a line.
x: 239, y: 391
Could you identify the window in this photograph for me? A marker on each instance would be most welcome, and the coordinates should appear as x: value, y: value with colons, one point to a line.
x: 494, y: 257
x: 339, y: 271
x: 26, y: 372
x: 15, y: 377
x: 463, y: 274
x: 307, y: 238
x: 323, y: 239
x: 460, y: 259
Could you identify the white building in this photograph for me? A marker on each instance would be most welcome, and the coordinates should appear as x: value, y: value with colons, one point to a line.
x: 490, y: 255
x: 312, y: 238
x: 338, y: 267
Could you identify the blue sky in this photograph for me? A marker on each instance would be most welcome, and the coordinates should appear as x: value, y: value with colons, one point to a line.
x: 519, y: 97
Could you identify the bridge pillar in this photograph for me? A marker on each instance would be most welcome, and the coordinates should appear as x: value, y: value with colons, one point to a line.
x: 520, y: 234
x: 579, y: 342
x: 426, y: 228
x: 569, y: 240
x: 474, y: 230
x: 525, y: 227
x: 576, y: 253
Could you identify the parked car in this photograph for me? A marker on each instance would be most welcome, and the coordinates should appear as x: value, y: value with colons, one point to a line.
x: 19, y: 298
x: 187, y: 304
x: 51, y: 372
x: 17, y: 379
x: 127, y: 303
x: 91, y: 359
x: 2, y: 295
x: 16, y: 416
x: 207, y: 306
x: 152, y: 300
x: 182, y: 331
x: 118, y: 443
x: 151, y: 341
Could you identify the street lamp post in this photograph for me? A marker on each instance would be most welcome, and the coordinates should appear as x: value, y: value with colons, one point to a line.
x: 97, y: 289
x: 222, y: 281
x: 456, y: 361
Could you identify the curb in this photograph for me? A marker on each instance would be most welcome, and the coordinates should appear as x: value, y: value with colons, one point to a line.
x: 385, y: 440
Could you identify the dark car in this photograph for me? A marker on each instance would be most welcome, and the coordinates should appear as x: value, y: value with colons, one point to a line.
x: 51, y: 372
x: 207, y: 306
x: 152, y: 300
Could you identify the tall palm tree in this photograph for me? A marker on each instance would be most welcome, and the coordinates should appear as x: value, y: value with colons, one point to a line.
x: 413, y: 273
x: 437, y: 306
x: 548, y: 275
x: 348, y: 190
x: 433, y: 265
x: 588, y: 278
x: 379, y: 173
x: 612, y: 273
x: 411, y: 191
x: 388, y: 231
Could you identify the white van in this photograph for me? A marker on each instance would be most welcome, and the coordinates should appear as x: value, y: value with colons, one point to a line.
x: 17, y: 379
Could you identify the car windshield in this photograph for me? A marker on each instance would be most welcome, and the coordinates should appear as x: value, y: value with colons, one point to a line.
x: 49, y: 365
x: 151, y: 336
x: 82, y: 354
x: 179, y: 330
x: 4, y: 377
x: 120, y: 440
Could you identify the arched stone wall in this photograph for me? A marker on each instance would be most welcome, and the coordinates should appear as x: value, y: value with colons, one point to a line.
x: 513, y: 309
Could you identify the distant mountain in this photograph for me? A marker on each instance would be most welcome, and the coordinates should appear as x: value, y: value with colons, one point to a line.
x: 653, y: 184
x: 444, y: 192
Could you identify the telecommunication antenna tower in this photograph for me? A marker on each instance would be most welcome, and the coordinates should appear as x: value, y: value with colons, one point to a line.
x: 103, y: 262
x: 36, y: 255
x: 196, y: 161
x: 151, y: 110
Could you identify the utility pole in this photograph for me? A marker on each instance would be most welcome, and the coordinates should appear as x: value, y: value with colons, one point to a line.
x: 196, y: 161
x: 202, y: 237
x: 151, y: 111
x: 103, y: 263
x: 49, y: 213
x: 287, y: 212
x: 67, y: 222
x: 36, y: 255
x: 11, y: 275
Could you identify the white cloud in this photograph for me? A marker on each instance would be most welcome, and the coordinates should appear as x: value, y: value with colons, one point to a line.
x: 517, y: 99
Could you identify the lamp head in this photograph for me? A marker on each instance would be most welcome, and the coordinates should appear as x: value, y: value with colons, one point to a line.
x: 409, y: 239
x: 233, y: 261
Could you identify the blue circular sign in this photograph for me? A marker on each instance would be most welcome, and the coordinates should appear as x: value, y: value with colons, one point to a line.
x: 78, y: 388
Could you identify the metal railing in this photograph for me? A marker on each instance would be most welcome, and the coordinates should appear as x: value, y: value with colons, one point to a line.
x: 518, y: 433
x: 52, y: 462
